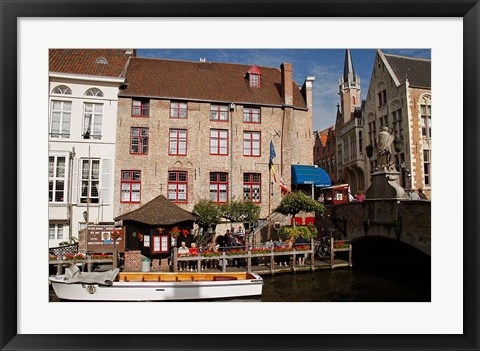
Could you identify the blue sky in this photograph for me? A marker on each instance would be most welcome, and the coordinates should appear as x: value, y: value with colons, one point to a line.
x: 325, y: 64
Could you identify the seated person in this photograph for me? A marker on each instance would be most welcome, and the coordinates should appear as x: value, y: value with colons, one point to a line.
x: 192, y: 265
x: 269, y: 244
x: 281, y: 260
x: 182, y: 252
x: 299, y: 242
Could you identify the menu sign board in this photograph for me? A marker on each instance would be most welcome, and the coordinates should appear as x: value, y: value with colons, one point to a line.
x: 99, y: 239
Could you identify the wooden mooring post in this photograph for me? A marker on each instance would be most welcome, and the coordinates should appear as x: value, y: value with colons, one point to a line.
x: 175, y: 259
x: 312, y: 254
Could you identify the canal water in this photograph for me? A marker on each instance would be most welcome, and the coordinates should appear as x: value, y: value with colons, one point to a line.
x: 381, y: 272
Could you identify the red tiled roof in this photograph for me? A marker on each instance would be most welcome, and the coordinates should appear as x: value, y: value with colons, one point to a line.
x: 205, y: 81
x: 82, y: 61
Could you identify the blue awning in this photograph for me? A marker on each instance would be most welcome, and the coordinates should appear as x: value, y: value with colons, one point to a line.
x: 310, y: 175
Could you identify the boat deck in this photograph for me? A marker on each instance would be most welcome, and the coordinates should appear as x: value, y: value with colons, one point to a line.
x: 181, y: 277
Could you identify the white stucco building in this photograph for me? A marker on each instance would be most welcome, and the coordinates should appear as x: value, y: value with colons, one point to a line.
x: 83, y: 95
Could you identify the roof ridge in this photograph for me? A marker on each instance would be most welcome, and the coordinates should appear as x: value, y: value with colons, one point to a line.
x: 208, y: 62
x: 408, y: 57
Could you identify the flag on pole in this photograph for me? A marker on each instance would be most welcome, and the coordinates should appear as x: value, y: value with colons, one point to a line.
x: 283, y: 185
x: 272, y: 154
x: 274, y: 174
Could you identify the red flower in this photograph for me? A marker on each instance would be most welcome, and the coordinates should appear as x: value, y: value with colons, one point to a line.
x: 160, y: 230
x: 115, y: 235
x: 175, y: 232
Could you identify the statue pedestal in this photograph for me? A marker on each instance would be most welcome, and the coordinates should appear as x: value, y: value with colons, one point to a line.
x: 385, y: 185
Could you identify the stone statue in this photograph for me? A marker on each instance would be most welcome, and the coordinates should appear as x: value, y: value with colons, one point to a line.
x: 384, y: 151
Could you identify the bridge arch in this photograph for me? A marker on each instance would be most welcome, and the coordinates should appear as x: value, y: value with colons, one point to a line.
x: 407, y: 221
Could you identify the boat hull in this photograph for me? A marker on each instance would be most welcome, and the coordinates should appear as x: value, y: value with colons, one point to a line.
x: 157, y: 291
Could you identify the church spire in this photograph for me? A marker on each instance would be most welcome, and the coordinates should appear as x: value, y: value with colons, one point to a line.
x: 348, y: 70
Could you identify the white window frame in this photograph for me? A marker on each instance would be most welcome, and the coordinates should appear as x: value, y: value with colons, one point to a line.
x: 65, y: 118
x: 54, y: 178
x: 62, y: 90
x: 93, y: 124
x: 55, y: 229
x: 94, y: 92
x: 90, y: 178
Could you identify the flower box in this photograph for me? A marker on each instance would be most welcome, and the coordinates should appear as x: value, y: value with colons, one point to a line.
x: 261, y: 251
x: 76, y: 257
x: 236, y: 252
x: 210, y: 254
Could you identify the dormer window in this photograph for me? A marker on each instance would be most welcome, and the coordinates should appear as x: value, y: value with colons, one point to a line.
x: 253, y: 74
x: 101, y: 60
x: 254, y: 80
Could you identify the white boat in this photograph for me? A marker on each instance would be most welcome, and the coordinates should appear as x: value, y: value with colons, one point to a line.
x: 152, y: 286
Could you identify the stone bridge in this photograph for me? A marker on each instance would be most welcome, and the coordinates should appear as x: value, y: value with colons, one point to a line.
x: 408, y: 221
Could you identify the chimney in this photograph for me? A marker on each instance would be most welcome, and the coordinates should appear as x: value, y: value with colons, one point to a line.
x: 308, y: 86
x: 287, y: 83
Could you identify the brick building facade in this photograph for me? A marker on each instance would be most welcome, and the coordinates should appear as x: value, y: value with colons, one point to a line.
x: 324, y: 151
x: 399, y: 97
x: 198, y: 130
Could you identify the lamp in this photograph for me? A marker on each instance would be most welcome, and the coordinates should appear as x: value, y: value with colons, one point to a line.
x: 369, y: 150
x: 398, y: 145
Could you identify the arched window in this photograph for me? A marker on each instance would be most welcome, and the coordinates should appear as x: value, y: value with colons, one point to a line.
x: 62, y: 89
x: 94, y: 92
x: 426, y: 115
x: 101, y: 60
x: 353, y: 100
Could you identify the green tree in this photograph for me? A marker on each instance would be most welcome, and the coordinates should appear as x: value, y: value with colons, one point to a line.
x: 240, y: 211
x: 288, y: 231
x: 295, y: 202
x: 208, y: 215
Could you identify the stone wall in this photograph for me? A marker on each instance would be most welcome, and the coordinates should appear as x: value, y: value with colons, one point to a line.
x: 405, y: 220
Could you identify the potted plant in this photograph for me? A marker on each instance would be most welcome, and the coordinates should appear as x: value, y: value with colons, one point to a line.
x: 175, y: 232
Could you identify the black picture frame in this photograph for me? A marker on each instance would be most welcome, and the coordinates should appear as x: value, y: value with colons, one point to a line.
x: 12, y: 10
